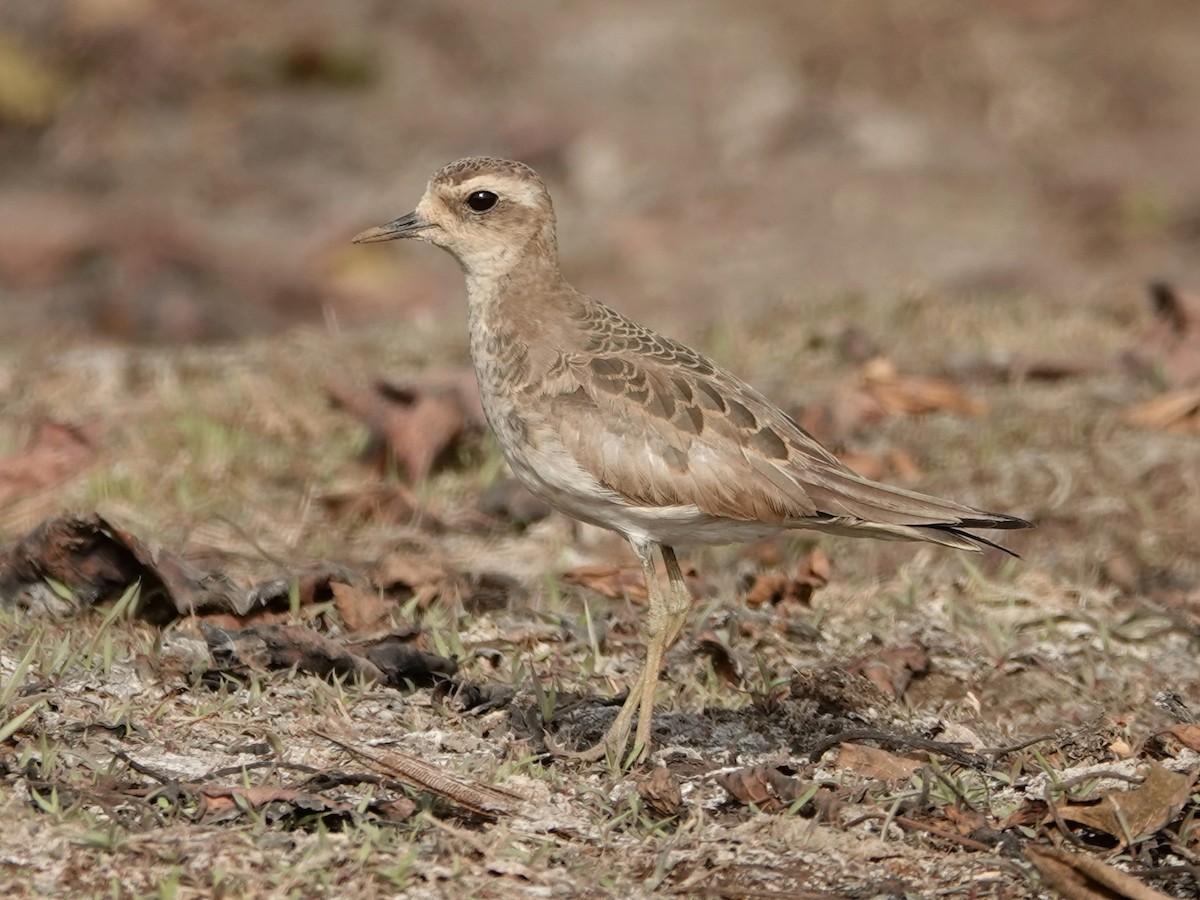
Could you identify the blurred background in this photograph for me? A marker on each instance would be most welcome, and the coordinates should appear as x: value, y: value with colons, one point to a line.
x: 175, y: 171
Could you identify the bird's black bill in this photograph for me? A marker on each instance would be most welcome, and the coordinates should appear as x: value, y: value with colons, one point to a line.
x: 403, y: 227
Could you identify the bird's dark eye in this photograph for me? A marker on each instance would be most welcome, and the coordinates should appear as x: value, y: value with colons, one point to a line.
x: 482, y: 201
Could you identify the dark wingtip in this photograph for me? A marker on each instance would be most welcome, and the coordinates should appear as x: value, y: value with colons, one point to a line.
x: 993, y: 520
x: 1011, y: 522
x: 971, y: 536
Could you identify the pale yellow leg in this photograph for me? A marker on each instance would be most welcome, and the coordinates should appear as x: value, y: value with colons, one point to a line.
x: 675, y: 607
x: 664, y: 621
x: 679, y: 598
x: 615, y: 739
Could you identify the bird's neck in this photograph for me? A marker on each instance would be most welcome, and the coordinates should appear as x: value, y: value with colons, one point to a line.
x: 530, y: 305
x: 515, y: 267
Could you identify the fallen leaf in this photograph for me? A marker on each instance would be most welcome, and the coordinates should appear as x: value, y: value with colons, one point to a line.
x: 968, y: 822
x: 1173, y: 411
x: 98, y: 560
x: 1170, y: 347
x: 765, y: 552
x: 1121, y: 571
x: 408, y: 575
x: 41, y: 233
x: 662, y: 792
x: 216, y: 799
x: 271, y: 601
x: 894, y: 464
x: 154, y: 276
x: 1009, y: 367
x: 417, y: 423
x: 360, y: 610
x: 777, y: 588
x: 55, y: 453
x: 912, y: 394
x: 872, y: 762
x: 399, y: 809
x: 765, y: 787
x: 871, y: 466
x: 614, y: 582
x: 1133, y: 815
x: 1078, y: 876
x: 1031, y: 812
x: 903, y: 465
x: 891, y: 670
x: 1187, y: 734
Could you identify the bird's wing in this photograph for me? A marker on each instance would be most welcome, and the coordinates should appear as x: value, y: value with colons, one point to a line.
x: 660, y: 425
x: 658, y: 435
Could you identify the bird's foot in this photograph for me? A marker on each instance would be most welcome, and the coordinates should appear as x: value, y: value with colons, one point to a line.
x: 608, y: 747
x: 612, y: 745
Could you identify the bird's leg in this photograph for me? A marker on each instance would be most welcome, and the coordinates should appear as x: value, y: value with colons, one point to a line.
x: 679, y: 598
x: 641, y: 695
x: 674, y: 609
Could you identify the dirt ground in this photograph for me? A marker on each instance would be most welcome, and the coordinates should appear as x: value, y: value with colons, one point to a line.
x: 291, y: 630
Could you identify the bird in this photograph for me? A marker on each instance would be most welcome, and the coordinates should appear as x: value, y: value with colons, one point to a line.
x: 616, y: 425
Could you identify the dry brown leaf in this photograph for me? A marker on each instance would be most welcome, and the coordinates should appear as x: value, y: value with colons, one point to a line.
x: 891, y: 670
x: 415, y: 423
x: 41, y: 232
x: 408, y: 575
x: 614, y: 582
x: 894, y: 464
x: 777, y: 587
x: 392, y: 660
x: 967, y: 822
x: 98, y: 560
x: 1031, y: 812
x: 872, y: 762
x: 662, y: 792
x: 1187, y: 733
x: 216, y: 799
x: 913, y: 394
x: 1078, y: 876
x: 55, y: 453
x: 1170, y: 346
x: 1173, y: 411
x: 157, y: 276
x: 360, y: 610
x: 765, y: 552
x: 1133, y: 815
x: 766, y: 787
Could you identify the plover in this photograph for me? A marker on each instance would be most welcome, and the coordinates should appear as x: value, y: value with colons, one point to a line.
x: 621, y: 427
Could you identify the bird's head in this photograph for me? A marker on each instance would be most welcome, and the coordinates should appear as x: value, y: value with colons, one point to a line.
x: 489, y: 213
